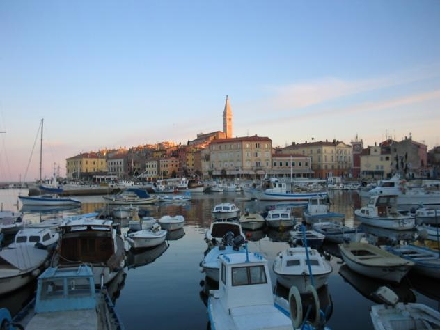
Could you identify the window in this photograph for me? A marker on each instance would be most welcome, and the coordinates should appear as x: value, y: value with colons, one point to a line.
x: 223, y: 274
x: 248, y: 275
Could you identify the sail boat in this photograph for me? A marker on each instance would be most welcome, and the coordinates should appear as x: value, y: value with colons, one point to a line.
x: 46, y: 199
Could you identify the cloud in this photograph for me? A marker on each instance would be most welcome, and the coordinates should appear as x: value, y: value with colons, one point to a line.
x: 320, y: 91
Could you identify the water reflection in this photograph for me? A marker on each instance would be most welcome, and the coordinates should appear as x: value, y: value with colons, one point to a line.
x: 49, y: 208
x: 425, y: 285
x: 254, y: 235
x: 368, y: 286
x: 174, y: 235
x: 137, y: 259
x: 278, y: 234
x: 384, y: 236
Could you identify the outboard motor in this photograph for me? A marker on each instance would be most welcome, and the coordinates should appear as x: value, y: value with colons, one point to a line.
x: 228, y: 239
x: 237, y: 241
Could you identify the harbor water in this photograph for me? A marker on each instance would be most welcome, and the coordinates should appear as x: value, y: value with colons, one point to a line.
x: 164, y: 288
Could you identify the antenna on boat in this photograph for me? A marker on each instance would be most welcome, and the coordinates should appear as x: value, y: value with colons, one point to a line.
x: 303, y: 230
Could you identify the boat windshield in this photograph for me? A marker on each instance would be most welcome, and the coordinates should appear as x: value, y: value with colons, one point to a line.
x: 248, y: 275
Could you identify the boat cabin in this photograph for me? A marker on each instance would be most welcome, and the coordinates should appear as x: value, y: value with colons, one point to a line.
x: 279, y: 214
x: 87, y: 240
x: 221, y: 228
x: 65, y: 290
x: 43, y: 237
x: 225, y: 208
x: 318, y: 205
x: 244, y: 280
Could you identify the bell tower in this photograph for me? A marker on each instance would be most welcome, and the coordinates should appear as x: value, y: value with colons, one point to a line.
x: 227, y: 119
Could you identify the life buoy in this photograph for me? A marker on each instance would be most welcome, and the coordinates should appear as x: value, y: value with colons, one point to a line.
x: 295, y: 306
x: 317, y: 305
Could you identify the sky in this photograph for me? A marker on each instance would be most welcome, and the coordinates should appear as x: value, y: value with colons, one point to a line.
x: 111, y: 74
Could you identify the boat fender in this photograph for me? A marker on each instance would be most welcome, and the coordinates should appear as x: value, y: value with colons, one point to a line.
x: 317, y: 305
x: 295, y: 305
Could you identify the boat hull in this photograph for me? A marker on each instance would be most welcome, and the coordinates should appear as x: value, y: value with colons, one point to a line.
x: 388, y: 223
x: 37, y: 201
x: 302, y: 281
x: 170, y: 226
x: 252, y: 225
x: 145, y: 242
x: 280, y: 223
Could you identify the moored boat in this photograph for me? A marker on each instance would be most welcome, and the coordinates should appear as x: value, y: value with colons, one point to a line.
x: 392, y: 315
x: 252, y: 221
x: 426, y: 261
x: 20, y: 265
x: 47, y: 200
x: 280, y: 218
x: 244, y: 301
x: 146, y: 238
x: 370, y: 260
x: 318, y: 209
x: 336, y: 232
x: 172, y: 222
x: 295, y: 266
x: 225, y: 211
x: 67, y: 299
x: 381, y: 211
x: 94, y: 241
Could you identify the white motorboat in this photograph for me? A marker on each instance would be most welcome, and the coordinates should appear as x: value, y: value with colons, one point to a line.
x: 318, y: 209
x: 48, y: 200
x: 97, y: 242
x: 381, y: 211
x: 20, y: 265
x: 225, y: 211
x: 275, y: 190
x: 10, y: 223
x: 131, y: 196
x: 427, y: 216
x: 426, y: 261
x: 429, y: 232
x: 171, y: 223
x: 176, y: 198
x: 406, y: 194
x: 146, y: 238
x: 218, y: 229
x: 138, y: 258
x: 245, y: 299
x: 336, y: 232
x: 392, y: 315
x: 370, y: 260
x: 252, y: 221
x: 67, y: 299
x: 294, y: 266
x: 280, y: 218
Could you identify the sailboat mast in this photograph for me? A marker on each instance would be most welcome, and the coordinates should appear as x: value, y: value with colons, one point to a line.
x: 41, y: 150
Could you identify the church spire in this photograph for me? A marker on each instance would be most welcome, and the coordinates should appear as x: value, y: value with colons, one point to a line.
x: 227, y: 119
